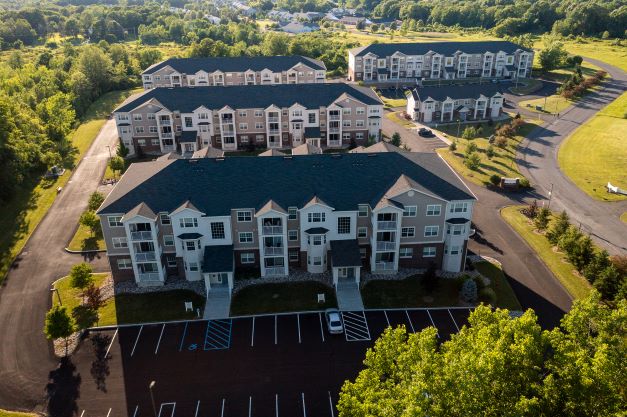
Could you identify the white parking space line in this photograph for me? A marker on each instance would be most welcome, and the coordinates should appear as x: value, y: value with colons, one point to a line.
x: 110, y: 344
x: 134, y: 413
x: 321, y: 328
x: 452, y: 318
x: 410, y: 323
x: 298, y: 321
x: 276, y: 405
x: 82, y: 413
x: 250, y: 406
x: 331, y: 404
x: 183, y: 337
x: 386, y: 317
x: 432, y: 323
x: 302, y: 396
x: 222, y: 412
x: 197, y: 408
x: 252, y: 334
x: 161, y: 408
x: 159, y: 341
x: 275, y: 329
x: 355, y: 326
x: 109, y: 412
x: 137, y: 340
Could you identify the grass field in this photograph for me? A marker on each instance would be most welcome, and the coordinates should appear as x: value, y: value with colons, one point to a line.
x: 527, y: 86
x: 5, y: 413
x: 19, y: 217
x: 605, y: 156
x: 577, y: 286
x: 503, y: 163
x: 603, y: 50
x: 282, y: 298
x: 395, y: 117
x: 505, y: 297
x: 623, y: 217
x: 365, y: 38
x: 84, y: 240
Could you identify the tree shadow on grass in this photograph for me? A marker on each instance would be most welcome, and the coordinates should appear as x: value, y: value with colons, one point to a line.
x: 84, y: 316
x: 63, y: 390
x: 100, y: 366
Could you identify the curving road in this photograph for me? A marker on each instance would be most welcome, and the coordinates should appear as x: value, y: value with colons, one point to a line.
x: 537, y: 159
x: 25, y: 355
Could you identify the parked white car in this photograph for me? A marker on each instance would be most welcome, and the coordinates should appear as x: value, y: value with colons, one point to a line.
x: 334, y: 321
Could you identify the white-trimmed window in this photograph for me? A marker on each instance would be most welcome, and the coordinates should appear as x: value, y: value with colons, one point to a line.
x: 242, y: 113
x: 153, y: 129
x: 119, y: 242
x: 428, y: 252
x: 360, y: 110
x: 247, y: 258
x: 115, y: 221
x: 293, y: 255
x: 188, y: 222
x: 164, y: 218
x: 316, y: 217
x: 434, y: 209
x: 258, y: 113
x: 141, y: 142
x: 362, y: 232
x: 456, y: 229
x: 408, y: 231
x: 317, y: 260
x: 346, y: 123
x: 317, y: 240
x: 363, y: 252
x: 292, y: 213
x: 139, y: 129
x: 360, y: 123
x: 151, y: 116
x: 258, y: 125
x: 123, y: 117
x: 168, y: 240
x: 190, y: 245
x: 343, y: 225
x: 137, y: 117
x: 292, y: 235
x: 410, y: 211
x: 217, y: 230
x: 154, y: 142
x: 192, y: 266
x: 171, y: 260
x: 363, y: 210
x: 243, y: 139
x: 244, y: 216
x: 125, y: 263
x: 246, y: 237
x: 406, y: 252
x: 431, y: 231
x: 243, y: 126
x: 454, y: 250
x: 459, y: 208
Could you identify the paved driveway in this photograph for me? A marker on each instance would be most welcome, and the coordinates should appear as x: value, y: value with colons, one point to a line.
x: 537, y: 159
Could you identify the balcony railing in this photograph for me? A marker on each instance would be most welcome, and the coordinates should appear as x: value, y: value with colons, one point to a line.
x: 386, y: 246
x: 272, y: 230
x: 388, y: 225
x: 384, y: 266
x: 267, y: 250
x: 145, y: 256
x: 275, y: 271
x: 149, y: 276
x: 334, y: 130
x: 141, y: 235
x: 273, y: 119
x: 166, y: 135
x: 272, y: 131
x: 335, y: 143
x: 334, y: 117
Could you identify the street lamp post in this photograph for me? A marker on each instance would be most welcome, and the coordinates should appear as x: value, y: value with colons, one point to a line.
x: 152, y: 397
x: 550, y: 196
x: 109, y: 148
x: 58, y: 296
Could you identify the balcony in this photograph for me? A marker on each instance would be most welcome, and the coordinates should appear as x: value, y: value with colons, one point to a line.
x: 334, y: 130
x: 384, y: 266
x: 149, y: 276
x: 389, y: 225
x: 334, y: 117
x: 274, y: 131
x: 383, y: 246
x: 267, y: 250
x: 273, y: 119
x: 165, y: 135
x: 275, y: 271
x: 141, y: 235
x: 335, y: 143
x: 145, y: 256
x: 272, y: 230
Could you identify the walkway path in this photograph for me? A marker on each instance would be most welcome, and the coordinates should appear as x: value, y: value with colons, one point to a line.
x: 349, y: 297
x: 537, y: 159
x: 218, y: 304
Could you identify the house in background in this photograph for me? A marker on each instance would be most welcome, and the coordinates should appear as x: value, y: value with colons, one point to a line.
x: 343, y: 214
x: 299, y: 27
x: 456, y: 102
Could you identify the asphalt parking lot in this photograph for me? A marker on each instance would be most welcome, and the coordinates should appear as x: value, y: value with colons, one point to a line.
x: 269, y: 366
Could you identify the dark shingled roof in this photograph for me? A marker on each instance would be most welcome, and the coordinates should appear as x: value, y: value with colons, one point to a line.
x: 216, y: 186
x: 316, y: 230
x: 456, y: 92
x: 345, y: 253
x: 186, y: 100
x: 189, y: 236
x: 444, y: 48
x: 218, y: 259
x: 312, y: 132
x: 188, y: 136
x: 236, y: 64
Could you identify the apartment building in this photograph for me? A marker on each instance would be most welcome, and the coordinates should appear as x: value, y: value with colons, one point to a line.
x: 456, y: 102
x: 208, y: 219
x: 227, y: 71
x: 383, y: 62
x: 284, y: 116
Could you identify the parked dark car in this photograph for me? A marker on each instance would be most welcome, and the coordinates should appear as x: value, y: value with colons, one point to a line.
x: 425, y: 133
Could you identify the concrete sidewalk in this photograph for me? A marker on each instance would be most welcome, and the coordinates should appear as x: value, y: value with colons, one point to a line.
x: 218, y: 304
x: 349, y: 297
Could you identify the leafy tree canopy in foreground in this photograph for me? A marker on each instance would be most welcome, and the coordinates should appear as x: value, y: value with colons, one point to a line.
x: 498, y: 366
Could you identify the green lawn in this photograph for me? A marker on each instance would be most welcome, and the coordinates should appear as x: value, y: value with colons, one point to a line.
x: 84, y: 240
x: 551, y: 105
x: 505, y: 297
x: 576, y: 285
x: 527, y: 86
x: 20, y: 216
x: 597, y: 152
x: 282, y: 298
x: 129, y: 308
x: 395, y: 117
x: 409, y: 293
x: 5, y: 413
x: 502, y: 164
x: 603, y: 50
x: 623, y: 217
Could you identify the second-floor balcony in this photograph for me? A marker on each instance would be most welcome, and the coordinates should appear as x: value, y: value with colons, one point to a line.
x: 144, y: 235
x: 275, y: 271
x: 166, y: 135
x: 272, y: 230
x: 334, y: 116
x: 385, y: 246
x: 273, y: 119
x: 145, y: 256
x: 384, y: 266
x: 386, y: 225
x: 273, y: 250
x: 149, y: 277
x: 335, y: 143
x: 274, y: 131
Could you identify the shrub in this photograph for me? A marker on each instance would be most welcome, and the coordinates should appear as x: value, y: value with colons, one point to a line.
x: 542, y: 219
x: 487, y: 295
x: 600, y: 260
x: 452, y: 147
x: 81, y: 276
x: 468, y: 293
x: 472, y: 147
x: 396, y: 139
x: 524, y: 183
x: 531, y: 210
x: 495, y: 180
x: 501, y: 141
x: 609, y: 282
x: 472, y: 161
x: 95, y: 200
x: 558, y: 228
x: 490, y: 152
x: 569, y: 240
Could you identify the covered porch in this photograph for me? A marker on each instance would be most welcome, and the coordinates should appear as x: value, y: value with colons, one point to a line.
x: 218, y: 267
x: 346, y: 262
